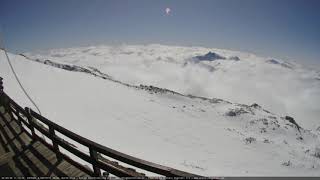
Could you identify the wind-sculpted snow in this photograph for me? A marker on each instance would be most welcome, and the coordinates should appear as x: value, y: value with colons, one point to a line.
x: 199, y: 134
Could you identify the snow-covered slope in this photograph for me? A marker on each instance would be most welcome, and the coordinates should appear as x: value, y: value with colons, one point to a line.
x: 200, y: 135
x: 282, y: 87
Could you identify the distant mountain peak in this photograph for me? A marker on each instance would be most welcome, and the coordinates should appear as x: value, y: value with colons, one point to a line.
x: 277, y: 62
x: 210, y: 56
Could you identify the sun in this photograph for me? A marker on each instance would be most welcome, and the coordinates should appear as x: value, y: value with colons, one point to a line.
x: 168, y: 10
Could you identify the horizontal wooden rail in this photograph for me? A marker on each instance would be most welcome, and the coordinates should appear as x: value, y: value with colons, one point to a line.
x: 32, y: 120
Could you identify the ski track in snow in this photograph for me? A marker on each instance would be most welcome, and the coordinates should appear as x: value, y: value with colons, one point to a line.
x: 192, y: 134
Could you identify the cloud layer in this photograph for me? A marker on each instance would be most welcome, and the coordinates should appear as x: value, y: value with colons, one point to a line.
x: 284, y: 88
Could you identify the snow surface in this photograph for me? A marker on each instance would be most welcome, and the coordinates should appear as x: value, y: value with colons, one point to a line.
x: 284, y: 88
x: 199, y: 135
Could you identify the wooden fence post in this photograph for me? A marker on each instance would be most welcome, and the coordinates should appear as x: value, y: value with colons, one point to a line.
x: 30, y: 121
x: 94, y: 157
x: 1, y: 85
x: 1, y: 92
x: 53, y: 134
x: 54, y: 143
x: 3, y: 99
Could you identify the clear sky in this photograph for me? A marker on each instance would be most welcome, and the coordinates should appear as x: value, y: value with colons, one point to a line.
x: 288, y: 29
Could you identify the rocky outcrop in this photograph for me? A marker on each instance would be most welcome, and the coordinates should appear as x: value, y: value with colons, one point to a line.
x: 291, y: 120
x: 210, y: 56
x: 276, y: 62
x: 235, y: 58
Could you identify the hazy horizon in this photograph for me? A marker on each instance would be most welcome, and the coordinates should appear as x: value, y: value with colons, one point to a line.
x: 285, y: 29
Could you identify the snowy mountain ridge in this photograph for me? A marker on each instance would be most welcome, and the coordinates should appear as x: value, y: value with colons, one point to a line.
x: 202, y: 135
x: 280, y: 86
x: 152, y: 89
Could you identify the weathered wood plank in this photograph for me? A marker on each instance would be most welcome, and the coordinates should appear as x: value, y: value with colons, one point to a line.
x: 35, y: 157
x: 44, y: 155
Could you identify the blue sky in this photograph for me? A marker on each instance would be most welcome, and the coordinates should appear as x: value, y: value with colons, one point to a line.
x: 287, y: 29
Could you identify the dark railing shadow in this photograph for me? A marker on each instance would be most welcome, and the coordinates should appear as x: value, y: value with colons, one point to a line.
x: 26, y: 151
x: 26, y: 118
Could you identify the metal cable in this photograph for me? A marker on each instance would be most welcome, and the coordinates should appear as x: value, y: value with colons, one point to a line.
x: 15, y: 75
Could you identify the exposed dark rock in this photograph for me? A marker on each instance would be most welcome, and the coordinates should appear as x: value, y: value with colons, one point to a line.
x: 266, y: 111
x: 154, y: 89
x: 249, y: 140
x: 235, y: 58
x: 213, y: 100
x: 235, y: 112
x: 299, y: 138
x: 255, y: 105
x: 286, y: 65
x: 272, y: 61
x: 231, y: 113
x: 272, y: 117
x: 246, y: 109
x: 291, y: 120
x: 265, y: 124
x: 266, y: 141
x: 263, y: 130
x: 264, y: 121
x: 23, y: 55
x: 210, y: 56
x: 317, y: 152
x: 47, y: 62
x: 287, y: 163
x: 283, y: 64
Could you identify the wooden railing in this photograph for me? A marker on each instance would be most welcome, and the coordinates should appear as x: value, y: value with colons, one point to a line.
x: 32, y: 121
